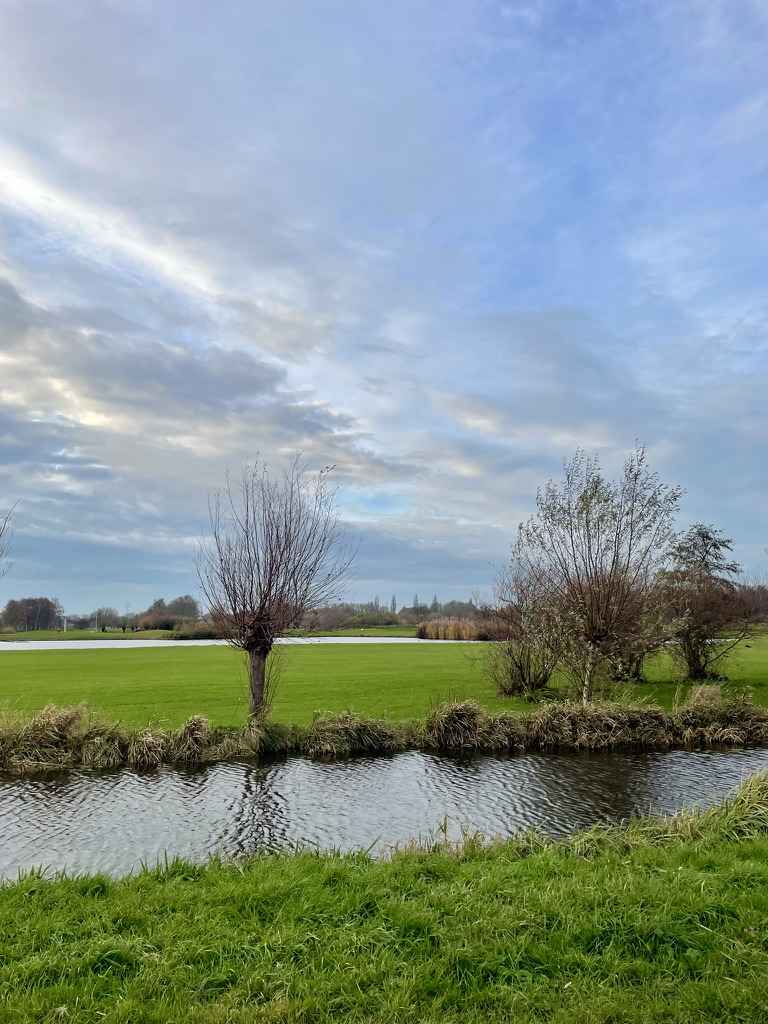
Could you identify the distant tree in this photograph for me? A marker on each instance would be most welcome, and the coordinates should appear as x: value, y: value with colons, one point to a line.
x: 435, y: 606
x: 703, y: 600
x: 393, y: 605
x: 29, y: 613
x: 107, y: 618
x: 276, y: 552
x: 595, y: 547
x: 416, y: 604
x: 460, y: 609
x: 184, y: 607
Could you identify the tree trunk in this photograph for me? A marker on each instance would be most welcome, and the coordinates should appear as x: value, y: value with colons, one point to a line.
x: 586, y: 689
x: 257, y: 673
x: 696, y: 662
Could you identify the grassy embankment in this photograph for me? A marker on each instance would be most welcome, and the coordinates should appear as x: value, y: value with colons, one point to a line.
x: 84, y: 634
x: 168, y: 634
x: 657, y: 921
x: 167, y: 686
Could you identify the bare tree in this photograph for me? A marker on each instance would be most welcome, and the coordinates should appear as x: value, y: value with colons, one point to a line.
x: 276, y: 552
x: 5, y: 531
x: 703, y: 600
x: 522, y: 662
x: 596, y: 547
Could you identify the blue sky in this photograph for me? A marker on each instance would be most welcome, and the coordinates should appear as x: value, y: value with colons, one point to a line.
x: 438, y: 245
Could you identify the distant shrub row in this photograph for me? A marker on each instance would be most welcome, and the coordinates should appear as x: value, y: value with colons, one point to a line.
x: 57, y: 738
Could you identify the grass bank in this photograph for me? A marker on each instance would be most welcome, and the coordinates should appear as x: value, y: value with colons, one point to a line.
x: 658, y: 921
x: 58, y: 738
x: 85, y: 634
x: 166, y: 686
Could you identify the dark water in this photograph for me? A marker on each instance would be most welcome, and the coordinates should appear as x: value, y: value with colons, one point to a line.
x: 115, y: 821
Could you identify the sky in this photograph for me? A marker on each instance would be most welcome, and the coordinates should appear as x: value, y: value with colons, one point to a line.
x: 437, y: 245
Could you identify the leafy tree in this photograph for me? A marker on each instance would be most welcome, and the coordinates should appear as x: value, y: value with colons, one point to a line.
x: 184, y: 607
x: 703, y: 601
x: 28, y: 613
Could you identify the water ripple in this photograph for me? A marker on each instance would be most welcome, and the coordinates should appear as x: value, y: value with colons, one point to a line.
x: 115, y: 821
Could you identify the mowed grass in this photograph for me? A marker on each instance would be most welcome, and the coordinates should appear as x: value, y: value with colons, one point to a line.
x: 85, y: 634
x: 649, y: 923
x: 166, y: 686
x: 167, y: 634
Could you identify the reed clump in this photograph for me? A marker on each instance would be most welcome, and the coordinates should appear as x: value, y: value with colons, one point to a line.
x: 445, y: 628
x: 60, y: 738
x: 709, y: 723
x: 594, y: 727
x: 350, y: 735
x: 465, y: 727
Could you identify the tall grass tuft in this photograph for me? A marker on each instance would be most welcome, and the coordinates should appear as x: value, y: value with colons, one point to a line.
x: 187, y: 744
x: 457, y: 726
x: 706, y: 723
x: 574, y: 726
x: 58, y: 738
x: 146, y: 749
x: 349, y: 735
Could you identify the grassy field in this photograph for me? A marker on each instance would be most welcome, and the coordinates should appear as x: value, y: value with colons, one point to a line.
x: 651, y: 922
x: 85, y: 634
x: 166, y: 634
x: 167, y: 686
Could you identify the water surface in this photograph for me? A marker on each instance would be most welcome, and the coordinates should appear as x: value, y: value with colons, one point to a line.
x: 86, y: 820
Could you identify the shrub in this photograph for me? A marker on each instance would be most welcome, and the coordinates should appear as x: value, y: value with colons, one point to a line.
x: 520, y: 668
x: 197, y: 631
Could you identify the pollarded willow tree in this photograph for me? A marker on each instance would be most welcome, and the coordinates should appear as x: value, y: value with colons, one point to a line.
x: 276, y: 551
x: 595, y: 547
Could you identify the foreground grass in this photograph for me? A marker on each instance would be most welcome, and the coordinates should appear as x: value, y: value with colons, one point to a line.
x: 167, y: 686
x: 654, y: 922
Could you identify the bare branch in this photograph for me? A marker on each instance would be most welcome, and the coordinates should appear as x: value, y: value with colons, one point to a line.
x: 5, y: 535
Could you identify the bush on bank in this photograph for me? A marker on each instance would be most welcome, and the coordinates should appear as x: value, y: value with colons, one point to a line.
x: 657, y: 921
x: 57, y: 738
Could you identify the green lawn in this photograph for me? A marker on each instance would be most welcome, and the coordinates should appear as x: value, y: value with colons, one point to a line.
x: 86, y: 634
x: 166, y: 686
x: 365, y: 631
x: 654, y: 923
x: 164, y: 634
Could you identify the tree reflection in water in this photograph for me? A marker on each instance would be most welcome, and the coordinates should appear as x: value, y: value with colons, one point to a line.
x: 114, y: 821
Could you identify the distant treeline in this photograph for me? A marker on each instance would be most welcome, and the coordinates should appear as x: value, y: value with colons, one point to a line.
x: 32, y: 613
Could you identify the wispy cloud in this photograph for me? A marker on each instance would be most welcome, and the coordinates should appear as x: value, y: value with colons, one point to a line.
x: 438, y: 247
